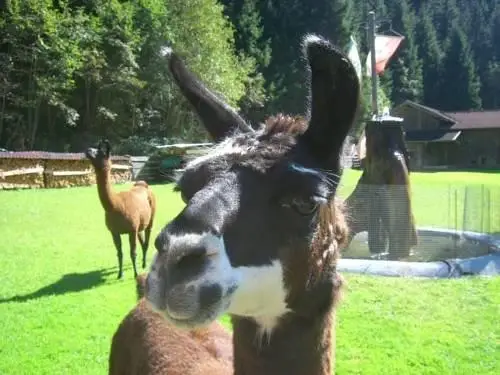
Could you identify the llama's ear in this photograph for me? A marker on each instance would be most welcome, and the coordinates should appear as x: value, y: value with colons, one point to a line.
x: 105, y: 148
x: 334, y: 98
x: 217, y: 116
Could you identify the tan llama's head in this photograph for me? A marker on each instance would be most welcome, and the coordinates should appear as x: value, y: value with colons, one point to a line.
x: 99, y: 157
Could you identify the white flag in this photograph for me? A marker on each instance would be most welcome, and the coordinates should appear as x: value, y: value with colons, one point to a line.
x: 353, y: 55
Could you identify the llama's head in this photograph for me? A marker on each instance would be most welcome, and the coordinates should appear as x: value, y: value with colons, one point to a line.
x: 99, y: 157
x: 259, y: 234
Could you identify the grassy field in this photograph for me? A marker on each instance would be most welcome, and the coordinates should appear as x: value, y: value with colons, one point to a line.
x: 60, y: 301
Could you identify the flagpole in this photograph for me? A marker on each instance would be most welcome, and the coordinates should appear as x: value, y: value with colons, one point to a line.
x: 371, y: 32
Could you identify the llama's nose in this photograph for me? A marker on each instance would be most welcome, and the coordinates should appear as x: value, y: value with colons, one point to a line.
x: 189, y: 253
x: 193, y: 259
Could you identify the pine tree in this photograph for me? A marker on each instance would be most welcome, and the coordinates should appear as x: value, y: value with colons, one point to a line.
x: 491, y: 87
x: 432, y: 55
x: 406, y: 67
x: 482, y: 44
x: 445, y: 13
x: 460, y: 89
x: 285, y: 24
x: 495, y: 31
x: 249, y: 41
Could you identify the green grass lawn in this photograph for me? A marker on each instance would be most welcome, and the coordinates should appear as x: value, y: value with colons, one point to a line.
x: 60, y: 301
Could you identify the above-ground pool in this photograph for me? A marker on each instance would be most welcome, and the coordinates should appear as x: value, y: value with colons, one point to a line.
x: 439, y: 253
x: 434, y: 244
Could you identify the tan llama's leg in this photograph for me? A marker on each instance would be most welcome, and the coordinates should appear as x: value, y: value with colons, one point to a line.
x: 144, y: 248
x: 118, y: 245
x: 132, y: 237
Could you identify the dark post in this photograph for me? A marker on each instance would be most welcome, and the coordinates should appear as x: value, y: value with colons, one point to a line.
x: 381, y: 202
x: 371, y: 33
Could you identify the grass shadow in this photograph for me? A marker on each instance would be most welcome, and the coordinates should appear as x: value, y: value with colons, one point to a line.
x: 457, y: 169
x: 71, y: 282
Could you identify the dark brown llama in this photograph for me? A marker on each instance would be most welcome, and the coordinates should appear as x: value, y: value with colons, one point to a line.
x: 128, y: 212
x: 258, y: 239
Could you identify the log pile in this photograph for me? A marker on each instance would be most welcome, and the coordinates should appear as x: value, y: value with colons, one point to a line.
x: 68, y: 172
x: 55, y: 170
x: 18, y: 173
x: 121, y: 170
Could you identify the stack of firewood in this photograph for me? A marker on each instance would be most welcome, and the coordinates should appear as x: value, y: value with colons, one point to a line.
x: 21, y: 173
x: 66, y: 173
x: 51, y: 170
x: 121, y: 171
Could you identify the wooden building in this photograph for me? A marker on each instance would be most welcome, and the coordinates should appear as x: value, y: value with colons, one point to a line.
x: 450, y: 140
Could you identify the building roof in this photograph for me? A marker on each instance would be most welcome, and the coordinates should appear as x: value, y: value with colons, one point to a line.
x: 432, y: 111
x: 185, y: 145
x: 49, y: 155
x: 466, y: 120
x: 432, y: 136
x: 475, y: 120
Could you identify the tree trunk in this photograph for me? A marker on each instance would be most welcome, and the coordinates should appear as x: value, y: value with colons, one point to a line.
x: 50, y: 127
x: 34, y: 129
x: 86, y: 121
x: 2, y: 115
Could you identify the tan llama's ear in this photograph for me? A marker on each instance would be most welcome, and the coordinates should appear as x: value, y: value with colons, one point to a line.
x: 105, y: 147
x: 334, y: 98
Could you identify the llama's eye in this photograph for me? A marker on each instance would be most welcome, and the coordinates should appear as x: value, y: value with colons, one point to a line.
x: 304, y: 206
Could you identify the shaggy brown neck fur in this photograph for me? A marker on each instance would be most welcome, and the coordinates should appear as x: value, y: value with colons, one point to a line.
x: 296, y: 347
x: 106, y: 195
x: 302, y: 343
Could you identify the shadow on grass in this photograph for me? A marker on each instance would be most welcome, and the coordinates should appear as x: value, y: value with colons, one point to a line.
x: 463, y: 170
x: 71, y: 282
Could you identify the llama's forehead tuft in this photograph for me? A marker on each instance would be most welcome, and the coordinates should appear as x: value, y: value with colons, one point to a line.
x: 235, y: 146
x: 258, y: 150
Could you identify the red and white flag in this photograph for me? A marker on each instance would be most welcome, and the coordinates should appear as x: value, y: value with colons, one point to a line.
x: 385, y: 47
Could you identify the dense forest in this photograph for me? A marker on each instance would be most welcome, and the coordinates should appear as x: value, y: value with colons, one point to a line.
x: 72, y: 71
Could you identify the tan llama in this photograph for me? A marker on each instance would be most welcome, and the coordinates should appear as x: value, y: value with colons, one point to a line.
x: 127, y: 212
